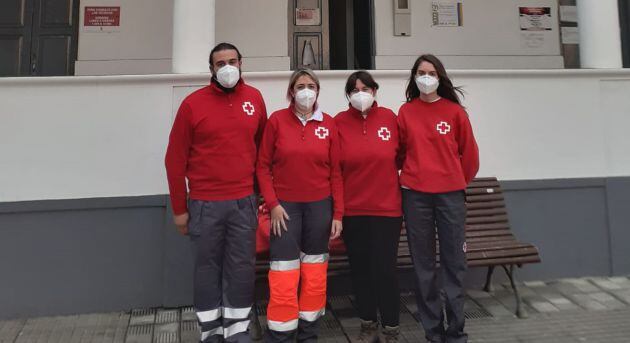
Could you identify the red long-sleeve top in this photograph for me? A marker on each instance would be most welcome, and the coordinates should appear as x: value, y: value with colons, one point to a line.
x: 369, y: 150
x: 440, y: 150
x: 213, y: 144
x: 300, y: 163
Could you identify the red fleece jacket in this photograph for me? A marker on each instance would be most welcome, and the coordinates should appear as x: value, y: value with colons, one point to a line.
x: 213, y: 145
x: 369, y: 151
x: 300, y: 163
x: 440, y: 151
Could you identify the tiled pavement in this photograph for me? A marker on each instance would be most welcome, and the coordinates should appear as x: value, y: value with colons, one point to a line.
x: 567, y: 310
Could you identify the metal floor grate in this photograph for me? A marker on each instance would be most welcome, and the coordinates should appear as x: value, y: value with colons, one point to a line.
x: 477, y: 313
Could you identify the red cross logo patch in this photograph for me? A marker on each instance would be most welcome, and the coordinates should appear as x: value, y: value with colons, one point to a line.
x: 443, y: 128
x: 384, y: 133
x: 248, y: 108
x: 321, y: 132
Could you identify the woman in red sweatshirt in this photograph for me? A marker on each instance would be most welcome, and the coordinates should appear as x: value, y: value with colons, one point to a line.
x: 368, y: 136
x: 441, y: 158
x: 299, y: 176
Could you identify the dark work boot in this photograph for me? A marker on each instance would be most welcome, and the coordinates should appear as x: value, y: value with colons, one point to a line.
x: 368, y: 333
x: 390, y: 334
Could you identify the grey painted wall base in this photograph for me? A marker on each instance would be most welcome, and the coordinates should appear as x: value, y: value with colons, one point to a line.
x: 91, y: 255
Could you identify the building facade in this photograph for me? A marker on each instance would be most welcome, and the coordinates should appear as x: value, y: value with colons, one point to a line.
x: 105, y: 37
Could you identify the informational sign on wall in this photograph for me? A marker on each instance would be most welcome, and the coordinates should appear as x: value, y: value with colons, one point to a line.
x: 307, y: 16
x: 101, y: 18
x: 447, y: 13
x: 535, y: 18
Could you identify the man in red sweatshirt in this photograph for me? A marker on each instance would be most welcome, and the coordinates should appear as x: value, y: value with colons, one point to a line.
x: 213, y: 145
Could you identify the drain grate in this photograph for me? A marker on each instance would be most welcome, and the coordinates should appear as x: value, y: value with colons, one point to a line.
x: 139, y: 334
x: 142, y: 317
x: 477, y: 313
x: 166, y: 337
x: 189, y: 331
x: 167, y: 316
x: 188, y: 314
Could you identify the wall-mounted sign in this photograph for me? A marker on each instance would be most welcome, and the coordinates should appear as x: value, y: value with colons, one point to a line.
x: 101, y: 18
x: 535, y: 18
x: 446, y: 14
x: 307, y: 16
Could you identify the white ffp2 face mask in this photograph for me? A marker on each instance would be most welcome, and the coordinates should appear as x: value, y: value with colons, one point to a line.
x: 362, y: 101
x: 228, y: 76
x: 427, y: 84
x: 305, y: 98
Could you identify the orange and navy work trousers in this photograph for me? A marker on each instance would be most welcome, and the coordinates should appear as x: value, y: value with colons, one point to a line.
x: 297, y: 274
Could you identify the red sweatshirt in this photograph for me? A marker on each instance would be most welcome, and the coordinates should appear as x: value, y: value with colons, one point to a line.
x: 213, y: 144
x: 300, y: 163
x: 369, y: 149
x: 440, y: 151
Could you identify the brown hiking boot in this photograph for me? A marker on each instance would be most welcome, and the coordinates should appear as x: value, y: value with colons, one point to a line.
x: 390, y: 334
x: 368, y: 333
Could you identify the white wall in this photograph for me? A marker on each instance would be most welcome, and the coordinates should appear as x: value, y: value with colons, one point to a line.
x: 143, y: 44
x: 490, y: 37
x: 259, y: 29
x: 79, y: 137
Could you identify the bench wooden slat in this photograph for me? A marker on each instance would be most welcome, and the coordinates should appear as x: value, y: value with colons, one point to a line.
x: 485, y: 212
x: 474, y: 240
x: 485, y: 197
x: 482, y: 190
x: 484, y: 184
x: 487, y: 226
x: 483, y: 179
x: 485, y: 205
x: 487, y: 219
x: 519, y: 260
x: 502, y: 252
x: 488, y: 233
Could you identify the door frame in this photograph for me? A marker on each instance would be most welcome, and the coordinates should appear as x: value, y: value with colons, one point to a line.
x: 624, y: 26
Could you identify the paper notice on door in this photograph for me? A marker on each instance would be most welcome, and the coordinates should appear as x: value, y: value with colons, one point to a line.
x: 535, y: 18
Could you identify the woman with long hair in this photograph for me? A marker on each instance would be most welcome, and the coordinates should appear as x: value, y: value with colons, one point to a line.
x: 300, y: 179
x: 440, y: 159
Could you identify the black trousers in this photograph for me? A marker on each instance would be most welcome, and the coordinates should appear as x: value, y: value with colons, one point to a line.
x: 424, y: 212
x: 372, y: 245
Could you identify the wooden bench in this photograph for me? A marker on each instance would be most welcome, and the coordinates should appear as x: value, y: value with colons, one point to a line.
x: 490, y: 242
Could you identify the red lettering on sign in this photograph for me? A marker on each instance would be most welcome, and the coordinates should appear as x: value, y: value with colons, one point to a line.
x: 101, y: 16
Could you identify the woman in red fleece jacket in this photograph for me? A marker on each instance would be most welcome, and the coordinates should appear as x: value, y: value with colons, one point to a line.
x: 441, y: 158
x: 299, y: 176
x: 368, y: 136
